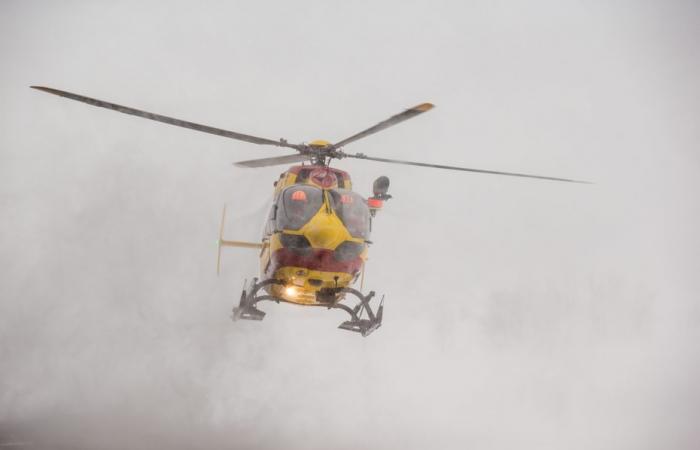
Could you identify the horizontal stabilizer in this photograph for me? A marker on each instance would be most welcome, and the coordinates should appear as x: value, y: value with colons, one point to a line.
x: 224, y: 243
x: 240, y: 244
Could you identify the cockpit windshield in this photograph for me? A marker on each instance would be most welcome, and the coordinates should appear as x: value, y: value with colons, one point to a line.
x: 297, y: 205
x: 352, y: 209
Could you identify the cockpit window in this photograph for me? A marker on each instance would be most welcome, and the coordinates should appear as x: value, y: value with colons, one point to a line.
x: 352, y: 209
x: 297, y: 205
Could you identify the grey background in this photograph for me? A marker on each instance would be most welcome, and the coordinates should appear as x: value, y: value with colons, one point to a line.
x: 519, y: 313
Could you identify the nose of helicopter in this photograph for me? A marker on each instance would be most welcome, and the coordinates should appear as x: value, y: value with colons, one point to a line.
x: 326, y: 231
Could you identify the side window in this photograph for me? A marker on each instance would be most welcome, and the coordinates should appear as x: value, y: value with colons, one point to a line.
x: 297, y: 205
x: 270, y: 222
x: 352, y: 210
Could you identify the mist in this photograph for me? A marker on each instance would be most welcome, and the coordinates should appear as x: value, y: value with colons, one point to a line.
x: 518, y: 313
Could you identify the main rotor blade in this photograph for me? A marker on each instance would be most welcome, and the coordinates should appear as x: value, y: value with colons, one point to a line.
x: 409, y: 113
x: 166, y: 119
x: 464, y: 169
x: 264, y: 162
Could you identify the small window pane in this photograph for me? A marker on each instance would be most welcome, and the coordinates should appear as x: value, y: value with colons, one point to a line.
x: 297, y: 205
x: 352, y: 210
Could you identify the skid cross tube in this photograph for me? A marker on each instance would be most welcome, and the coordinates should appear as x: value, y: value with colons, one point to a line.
x: 331, y: 298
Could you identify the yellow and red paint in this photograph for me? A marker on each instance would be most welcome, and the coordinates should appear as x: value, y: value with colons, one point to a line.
x: 320, y: 176
x: 305, y: 272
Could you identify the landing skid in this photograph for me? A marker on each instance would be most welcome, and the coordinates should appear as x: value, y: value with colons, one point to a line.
x: 363, y: 319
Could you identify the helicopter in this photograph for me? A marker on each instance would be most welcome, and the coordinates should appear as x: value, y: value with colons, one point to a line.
x: 316, y: 235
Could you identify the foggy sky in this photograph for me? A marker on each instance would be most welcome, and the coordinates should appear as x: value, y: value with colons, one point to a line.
x: 519, y: 313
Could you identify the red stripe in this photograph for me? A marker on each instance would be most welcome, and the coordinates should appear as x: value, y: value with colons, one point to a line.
x: 319, y: 259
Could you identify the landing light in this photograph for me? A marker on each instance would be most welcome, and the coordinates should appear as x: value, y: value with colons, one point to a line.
x: 291, y: 291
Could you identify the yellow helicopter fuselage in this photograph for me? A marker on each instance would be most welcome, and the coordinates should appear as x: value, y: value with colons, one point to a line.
x: 316, y: 234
